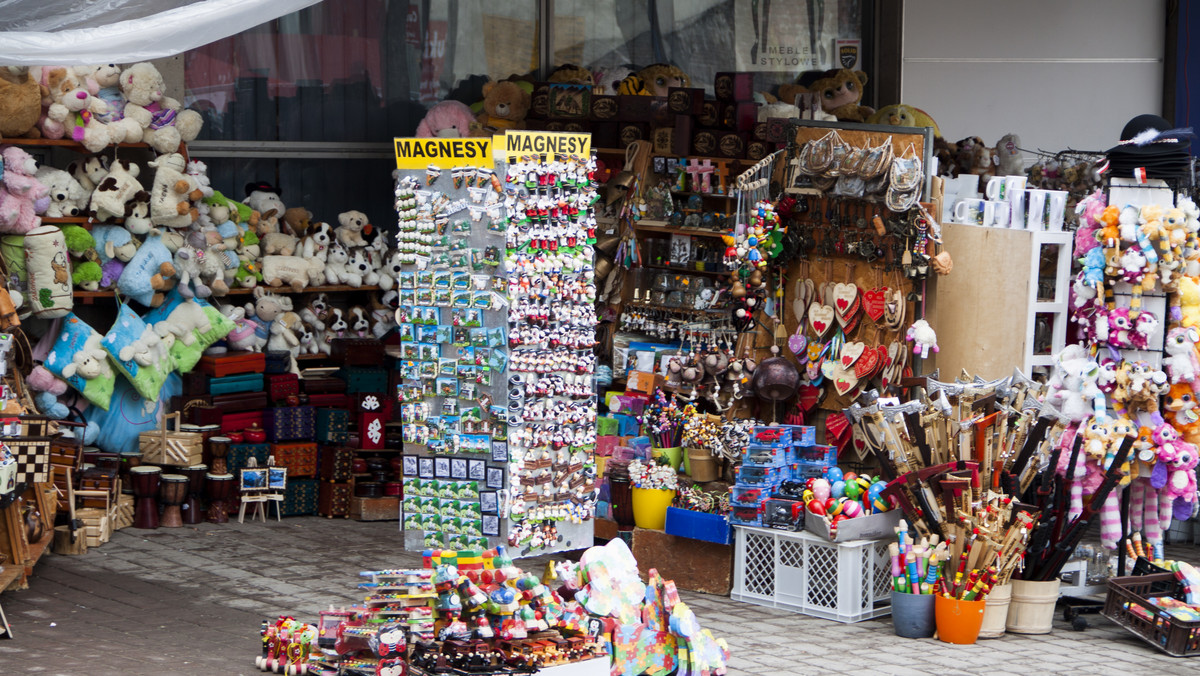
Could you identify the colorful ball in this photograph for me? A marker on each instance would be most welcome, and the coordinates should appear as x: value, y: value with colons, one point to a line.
x: 820, y: 489
x: 837, y: 489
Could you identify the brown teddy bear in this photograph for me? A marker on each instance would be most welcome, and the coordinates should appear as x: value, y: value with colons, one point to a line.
x: 20, y: 103
x: 504, y: 107
x: 840, y: 91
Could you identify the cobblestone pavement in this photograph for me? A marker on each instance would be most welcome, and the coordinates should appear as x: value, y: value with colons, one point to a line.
x: 189, y: 601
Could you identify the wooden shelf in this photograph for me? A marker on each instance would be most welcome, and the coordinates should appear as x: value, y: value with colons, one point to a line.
x: 9, y: 575
x: 667, y: 268
x: 668, y: 308
x: 36, y: 549
x: 64, y: 143
x: 336, y: 288
x: 653, y: 226
x: 686, y: 193
x: 84, y: 221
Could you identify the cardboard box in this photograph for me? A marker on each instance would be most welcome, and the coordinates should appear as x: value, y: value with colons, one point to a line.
x: 694, y: 565
x: 874, y: 527
x: 375, y: 509
x: 643, y: 381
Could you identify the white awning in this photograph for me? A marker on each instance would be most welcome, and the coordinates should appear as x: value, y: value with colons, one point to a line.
x: 82, y: 32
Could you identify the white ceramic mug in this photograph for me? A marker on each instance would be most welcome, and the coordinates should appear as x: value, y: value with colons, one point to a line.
x: 997, y: 214
x: 1001, y: 188
x: 1056, y: 209
x: 973, y: 211
x: 1036, y: 214
x: 1016, y: 200
x: 968, y: 185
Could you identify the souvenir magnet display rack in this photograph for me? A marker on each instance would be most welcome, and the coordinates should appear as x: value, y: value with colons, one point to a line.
x: 453, y: 349
x: 496, y: 340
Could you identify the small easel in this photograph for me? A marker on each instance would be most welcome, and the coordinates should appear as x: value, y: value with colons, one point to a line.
x: 261, y: 496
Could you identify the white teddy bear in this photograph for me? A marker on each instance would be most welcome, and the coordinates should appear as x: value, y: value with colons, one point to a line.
x: 165, y: 123
x: 350, y: 232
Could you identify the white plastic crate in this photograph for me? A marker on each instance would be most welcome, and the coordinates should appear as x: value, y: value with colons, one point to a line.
x: 798, y: 571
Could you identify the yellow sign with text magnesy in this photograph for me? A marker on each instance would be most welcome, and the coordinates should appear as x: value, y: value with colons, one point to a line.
x: 444, y: 153
x: 547, y: 143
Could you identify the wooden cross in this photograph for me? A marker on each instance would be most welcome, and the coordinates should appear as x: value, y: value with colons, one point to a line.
x: 722, y: 174
x: 695, y: 169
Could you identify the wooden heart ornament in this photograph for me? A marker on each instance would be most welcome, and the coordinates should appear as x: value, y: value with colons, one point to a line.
x: 874, y: 301
x: 844, y: 380
x: 851, y: 352
x: 868, y: 364
x: 820, y: 318
x: 844, y: 296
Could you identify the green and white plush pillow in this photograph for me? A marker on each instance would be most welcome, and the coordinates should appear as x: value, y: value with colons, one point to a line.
x: 139, y: 353
x: 192, y: 326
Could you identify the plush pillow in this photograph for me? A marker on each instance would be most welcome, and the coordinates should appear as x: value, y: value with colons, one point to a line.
x: 130, y: 415
x: 138, y: 352
x: 49, y: 272
x: 193, y: 325
x: 79, y: 357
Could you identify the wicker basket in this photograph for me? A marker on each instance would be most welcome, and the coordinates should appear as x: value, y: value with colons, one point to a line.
x: 171, y: 447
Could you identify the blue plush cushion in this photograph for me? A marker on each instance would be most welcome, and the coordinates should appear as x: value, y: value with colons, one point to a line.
x: 130, y: 414
x: 130, y: 332
x: 187, y: 356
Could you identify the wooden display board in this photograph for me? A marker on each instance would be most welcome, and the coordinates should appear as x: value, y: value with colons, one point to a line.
x: 865, y: 135
x: 980, y: 310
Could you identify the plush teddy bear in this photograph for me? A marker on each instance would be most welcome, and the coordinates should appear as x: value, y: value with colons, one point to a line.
x: 352, y: 225
x: 20, y: 104
x: 149, y: 274
x: 118, y: 187
x: 1073, y: 387
x: 87, y: 275
x: 1089, y: 210
x: 1187, y: 295
x: 22, y: 196
x: 923, y: 338
x: 173, y: 193
x: 840, y: 91
x: 164, y: 121
x: 67, y: 197
x: 48, y: 388
x: 111, y: 114
x: 70, y: 106
x: 505, y: 105
x: 272, y: 239
x: 264, y: 198
x: 900, y: 115
x: 298, y: 220
x: 447, y: 119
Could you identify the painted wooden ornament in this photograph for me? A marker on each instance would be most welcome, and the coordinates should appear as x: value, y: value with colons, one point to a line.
x: 851, y: 352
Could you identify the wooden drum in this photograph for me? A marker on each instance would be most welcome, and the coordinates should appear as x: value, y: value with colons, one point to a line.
x: 220, y: 490
x: 128, y: 462
x: 193, y: 511
x: 219, y: 448
x: 145, y: 479
x: 173, y: 492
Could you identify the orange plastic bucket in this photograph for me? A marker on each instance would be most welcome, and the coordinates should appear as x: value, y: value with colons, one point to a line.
x: 958, y: 621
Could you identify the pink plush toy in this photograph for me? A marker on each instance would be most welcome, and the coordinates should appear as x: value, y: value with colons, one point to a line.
x: 1174, y: 475
x: 1089, y: 221
x: 22, y: 197
x: 448, y: 119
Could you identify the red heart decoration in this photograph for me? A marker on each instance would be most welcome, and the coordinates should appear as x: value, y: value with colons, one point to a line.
x: 873, y: 302
x: 819, y: 325
x: 841, y: 304
x: 867, y: 365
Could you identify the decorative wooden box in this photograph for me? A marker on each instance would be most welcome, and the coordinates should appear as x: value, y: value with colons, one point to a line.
x: 375, y: 509
x: 280, y: 386
x: 290, y: 423
x: 238, y: 457
x: 301, y: 497
x: 300, y: 459
x: 337, y: 463
x: 372, y: 430
x: 240, y: 402
x: 360, y: 379
x: 232, y: 363
x: 357, y: 351
x: 334, y: 500
x: 278, y: 361
x: 242, y: 382
x: 331, y: 400
x: 236, y: 422
x: 166, y: 446
x: 323, y: 385
x: 333, y: 425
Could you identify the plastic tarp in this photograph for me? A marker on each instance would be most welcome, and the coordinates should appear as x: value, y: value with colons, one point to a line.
x: 81, y: 32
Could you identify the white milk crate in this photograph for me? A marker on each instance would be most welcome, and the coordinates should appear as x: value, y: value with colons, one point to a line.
x: 798, y: 571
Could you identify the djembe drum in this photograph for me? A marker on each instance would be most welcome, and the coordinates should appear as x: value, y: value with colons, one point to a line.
x: 172, y: 492
x: 219, y: 447
x: 193, y: 513
x: 144, y: 479
x: 128, y: 462
x: 220, y: 490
